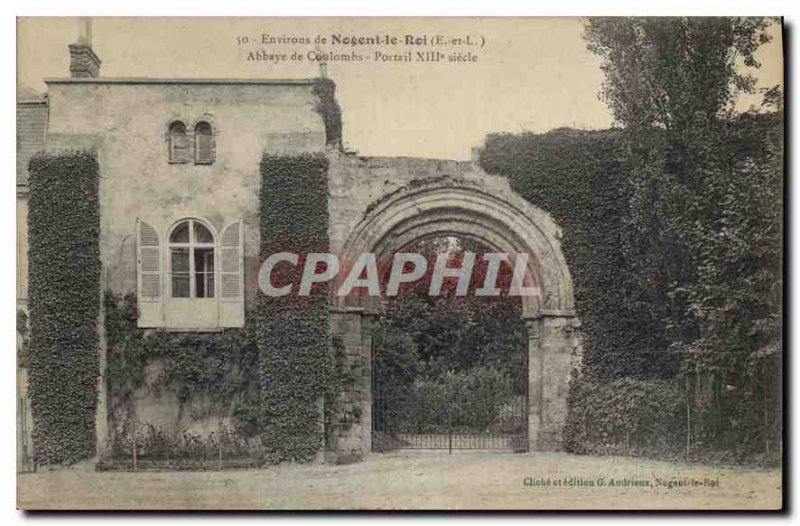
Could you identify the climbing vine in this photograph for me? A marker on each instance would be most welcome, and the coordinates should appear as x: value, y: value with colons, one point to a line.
x: 578, y: 178
x: 328, y: 107
x: 219, y: 368
x: 64, y: 299
x: 340, y: 414
x: 637, y: 372
x: 294, y: 331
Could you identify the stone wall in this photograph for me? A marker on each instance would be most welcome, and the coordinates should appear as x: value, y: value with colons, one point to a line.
x: 377, y: 204
x: 126, y: 122
x: 349, y: 432
x: 553, y: 350
x: 31, y: 129
x: 357, y: 183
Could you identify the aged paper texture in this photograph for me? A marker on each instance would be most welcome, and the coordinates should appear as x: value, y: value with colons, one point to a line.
x: 400, y: 263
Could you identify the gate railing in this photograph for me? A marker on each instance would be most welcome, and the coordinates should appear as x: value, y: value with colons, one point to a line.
x: 409, y: 421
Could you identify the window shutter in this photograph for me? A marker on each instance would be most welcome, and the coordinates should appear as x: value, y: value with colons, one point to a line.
x: 213, y: 155
x: 148, y: 267
x: 183, y: 148
x: 232, y: 276
x: 204, y: 143
x: 180, y: 144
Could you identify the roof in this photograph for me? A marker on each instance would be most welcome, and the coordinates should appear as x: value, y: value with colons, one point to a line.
x: 26, y: 94
x: 31, y: 128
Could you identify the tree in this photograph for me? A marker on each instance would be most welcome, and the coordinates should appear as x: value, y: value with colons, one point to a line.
x: 705, y: 216
x: 672, y: 84
x: 675, y: 73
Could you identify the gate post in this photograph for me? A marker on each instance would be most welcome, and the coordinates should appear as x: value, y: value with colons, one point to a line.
x: 552, y: 342
x: 350, y: 431
x: 368, y: 320
x: 534, y: 384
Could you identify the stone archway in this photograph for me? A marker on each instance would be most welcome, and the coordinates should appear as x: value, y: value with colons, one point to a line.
x: 504, y: 222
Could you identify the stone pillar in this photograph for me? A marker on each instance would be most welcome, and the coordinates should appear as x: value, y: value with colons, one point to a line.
x: 552, y: 342
x: 102, y: 427
x: 365, y: 373
x: 350, y: 427
x: 534, y: 385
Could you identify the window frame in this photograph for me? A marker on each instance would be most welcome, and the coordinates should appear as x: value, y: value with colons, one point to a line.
x: 183, y: 157
x: 191, y: 245
x: 203, y: 123
x: 160, y: 309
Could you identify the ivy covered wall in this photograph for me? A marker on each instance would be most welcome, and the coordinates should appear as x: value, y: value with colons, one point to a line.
x: 642, y: 390
x: 211, y: 376
x: 328, y: 107
x: 294, y: 331
x: 578, y: 178
x: 64, y: 299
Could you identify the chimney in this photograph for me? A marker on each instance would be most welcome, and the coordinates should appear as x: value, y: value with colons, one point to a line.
x: 83, y: 62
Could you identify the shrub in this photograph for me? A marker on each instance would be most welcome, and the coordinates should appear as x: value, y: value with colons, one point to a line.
x: 471, y: 401
x: 625, y: 416
x: 578, y: 178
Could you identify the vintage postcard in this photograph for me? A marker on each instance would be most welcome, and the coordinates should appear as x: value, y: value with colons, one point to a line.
x: 400, y: 263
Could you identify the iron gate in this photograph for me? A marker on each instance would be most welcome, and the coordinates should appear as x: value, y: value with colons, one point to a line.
x: 448, y: 421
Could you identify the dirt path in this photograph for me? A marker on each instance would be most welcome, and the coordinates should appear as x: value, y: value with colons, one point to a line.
x: 473, y: 480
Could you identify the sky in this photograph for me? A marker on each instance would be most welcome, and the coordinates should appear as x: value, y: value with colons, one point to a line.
x: 529, y: 74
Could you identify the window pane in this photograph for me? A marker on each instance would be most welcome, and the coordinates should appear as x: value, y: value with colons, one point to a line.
x: 180, y: 234
x: 180, y: 284
x: 177, y: 128
x: 201, y: 234
x: 204, y: 272
x: 204, y: 259
x: 210, y: 284
x: 204, y: 148
x: 180, y: 259
x: 182, y: 144
x: 204, y: 284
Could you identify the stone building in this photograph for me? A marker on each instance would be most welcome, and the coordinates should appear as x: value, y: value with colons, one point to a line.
x: 179, y: 187
x: 31, y: 127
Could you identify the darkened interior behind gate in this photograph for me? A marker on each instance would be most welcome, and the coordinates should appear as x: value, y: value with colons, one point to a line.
x: 449, y: 371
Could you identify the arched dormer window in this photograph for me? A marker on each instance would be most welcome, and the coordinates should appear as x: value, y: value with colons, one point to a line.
x: 180, y: 147
x: 204, y: 143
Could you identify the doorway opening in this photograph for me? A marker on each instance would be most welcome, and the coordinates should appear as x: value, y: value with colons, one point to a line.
x: 450, y: 371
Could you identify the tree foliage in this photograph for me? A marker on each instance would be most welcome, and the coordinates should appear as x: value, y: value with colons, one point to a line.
x: 578, y: 178
x: 446, y: 333
x: 704, y: 227
x: 675, y: 73
x: 448, y: 358
x: 706, y: 182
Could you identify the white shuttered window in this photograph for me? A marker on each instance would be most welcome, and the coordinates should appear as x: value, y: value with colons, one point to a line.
x: 191, y: 278
x: 149, y: 279
x: 232, y: 276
